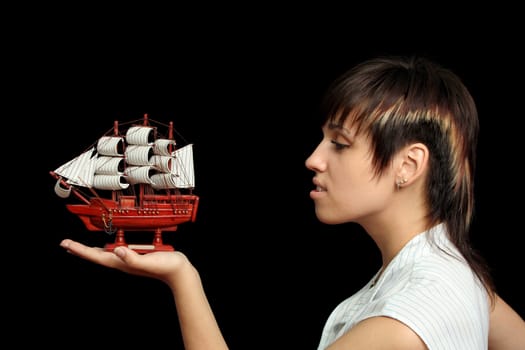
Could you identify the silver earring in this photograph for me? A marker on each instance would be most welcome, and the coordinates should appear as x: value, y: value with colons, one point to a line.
x: 401, y: 182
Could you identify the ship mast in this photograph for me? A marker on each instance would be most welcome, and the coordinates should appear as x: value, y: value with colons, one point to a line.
x: 141, y: 185
x: 115, y: 133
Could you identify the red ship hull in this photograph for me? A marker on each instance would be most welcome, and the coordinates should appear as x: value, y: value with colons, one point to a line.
x: 156, y: 213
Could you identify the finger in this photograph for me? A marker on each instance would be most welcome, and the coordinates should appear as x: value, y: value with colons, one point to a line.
x: 94, y: 254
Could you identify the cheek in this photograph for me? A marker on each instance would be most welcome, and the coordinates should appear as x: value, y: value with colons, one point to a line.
x: 355, y: 194
x: 359, y: 194
x: 352, y: 177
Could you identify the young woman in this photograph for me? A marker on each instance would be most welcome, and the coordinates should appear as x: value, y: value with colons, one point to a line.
x: 398, y: 158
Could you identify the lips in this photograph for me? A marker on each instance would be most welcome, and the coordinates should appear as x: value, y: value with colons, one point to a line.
x: 318, y: 192
x: 318, y: 187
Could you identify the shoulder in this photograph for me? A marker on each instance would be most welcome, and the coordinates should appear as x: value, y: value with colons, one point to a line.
x: 439, y: 294
x: 507, y: 328
x: 440, y: 299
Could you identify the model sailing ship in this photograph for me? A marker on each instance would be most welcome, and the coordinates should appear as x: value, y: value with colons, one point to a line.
x: 133, y: 178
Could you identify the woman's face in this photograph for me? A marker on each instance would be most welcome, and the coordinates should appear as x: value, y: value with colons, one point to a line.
x: 346, y: 187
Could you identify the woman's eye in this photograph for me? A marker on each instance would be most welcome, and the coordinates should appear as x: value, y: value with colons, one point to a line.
x: 338, y: 145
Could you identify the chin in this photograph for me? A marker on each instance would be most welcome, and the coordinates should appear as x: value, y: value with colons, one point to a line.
x: 329, y: 220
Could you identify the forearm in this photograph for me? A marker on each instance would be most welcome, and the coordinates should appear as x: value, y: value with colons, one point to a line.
x: 197, y: 322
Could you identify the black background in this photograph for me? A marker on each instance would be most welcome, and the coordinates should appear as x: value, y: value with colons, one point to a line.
x: 246, y: 94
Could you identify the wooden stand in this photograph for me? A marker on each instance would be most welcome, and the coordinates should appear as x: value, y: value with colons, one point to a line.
x: 156, y: 246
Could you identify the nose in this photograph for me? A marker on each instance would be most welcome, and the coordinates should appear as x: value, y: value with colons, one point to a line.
x: 314, y: 161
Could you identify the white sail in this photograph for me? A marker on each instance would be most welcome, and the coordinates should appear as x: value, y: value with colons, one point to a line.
x: 110, y: 146
x: 139, y: 174
x: 163, y: 181
x: 117, y: 162
x: 110, y: 182
x: 80, y: 170
x: 183, y: 170
x: 140, y: 135
x: 162, y: 163
x: 61, y: 191
x: 139, y: 155
x: 181, y: 174
x: 109, y: 165
x: 164, y: 147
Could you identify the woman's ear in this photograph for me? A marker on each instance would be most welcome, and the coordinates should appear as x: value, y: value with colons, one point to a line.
x: 413, y: 163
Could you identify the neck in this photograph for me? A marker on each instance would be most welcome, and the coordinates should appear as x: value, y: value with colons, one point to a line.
x: 392, y: 236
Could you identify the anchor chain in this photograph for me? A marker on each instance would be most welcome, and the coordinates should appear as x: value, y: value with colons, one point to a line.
x: 108, y: 225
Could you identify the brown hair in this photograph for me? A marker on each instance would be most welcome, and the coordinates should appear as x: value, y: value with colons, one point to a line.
x: 400, y: 100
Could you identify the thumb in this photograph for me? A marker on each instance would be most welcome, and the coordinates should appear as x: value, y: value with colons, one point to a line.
x: 122, y: 252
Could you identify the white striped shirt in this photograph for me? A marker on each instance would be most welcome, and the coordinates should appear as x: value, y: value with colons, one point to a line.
x: 434, y: 293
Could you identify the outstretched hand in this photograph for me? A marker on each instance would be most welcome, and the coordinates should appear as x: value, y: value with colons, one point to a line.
x: 159, y: 265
